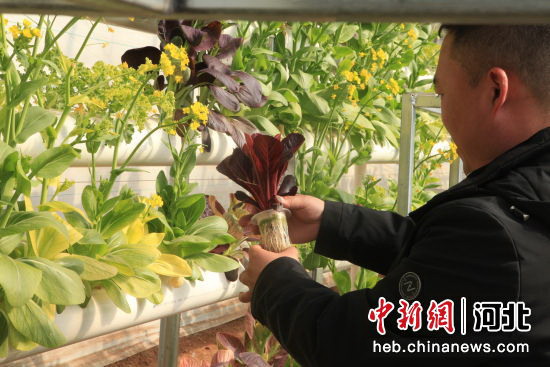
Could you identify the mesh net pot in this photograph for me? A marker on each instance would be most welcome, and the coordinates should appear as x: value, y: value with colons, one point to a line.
x: 273, y: 229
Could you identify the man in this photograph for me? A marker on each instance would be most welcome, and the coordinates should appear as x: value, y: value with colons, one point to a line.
x: 476, y: 258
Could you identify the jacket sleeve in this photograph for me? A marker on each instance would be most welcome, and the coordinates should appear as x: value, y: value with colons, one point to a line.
x: 366, y: 237
x: 463, y: 252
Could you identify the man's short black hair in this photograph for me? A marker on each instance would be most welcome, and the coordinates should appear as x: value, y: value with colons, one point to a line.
x: 520, y: 49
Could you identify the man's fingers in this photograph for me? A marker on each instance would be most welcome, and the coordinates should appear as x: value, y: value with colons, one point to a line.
x: 244, y: 278
x: 245, y: 297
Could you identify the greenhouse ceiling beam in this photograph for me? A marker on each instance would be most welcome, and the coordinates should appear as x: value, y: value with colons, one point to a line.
x: 456, y: 11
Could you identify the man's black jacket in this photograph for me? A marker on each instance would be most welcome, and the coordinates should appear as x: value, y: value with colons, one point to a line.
x: 485, y: 239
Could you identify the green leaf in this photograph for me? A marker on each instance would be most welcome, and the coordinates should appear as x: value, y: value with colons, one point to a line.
x: 116, y: 295
x: 18, y: 280
x: 94, y: 269
x: 59, y: 285
x: 123, y: 213
x: 62, y: 207
x: 214, y: 262
x: 134, y: 256
x: 188, y: 200
x: 343, y: 51
x: 189, y: 245
x: 53, y: 162
x: 290, y: 96
x: 91, y: 237
x: 320, y: 105
x: 141, y: 285
x: 342, y: 280
x: 21, y: 222
x: 353, y: 113
x: 347, y: 32
x: 264, y: 125
x: 209, y: 226
x: 37, y: 119
x: 5, y: 150
x: 283, y: 71
x: 89, y: 201
x: 4, y: 327
x: 31, y: 321
x: 25, y: 89
x: 9, y: 243
x: 23, y: 183
x: 304, y: 80
x: 277, y: 97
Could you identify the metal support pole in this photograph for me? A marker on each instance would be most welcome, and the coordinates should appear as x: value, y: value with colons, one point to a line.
x: 169, y: 341
x: 406, y: 153
x: 456, y: 172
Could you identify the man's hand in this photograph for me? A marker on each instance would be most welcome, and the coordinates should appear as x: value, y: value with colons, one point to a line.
x: 258, y: 259
x: 303, y: 224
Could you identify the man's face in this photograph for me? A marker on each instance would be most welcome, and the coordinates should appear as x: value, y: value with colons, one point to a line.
x: 460, y: 101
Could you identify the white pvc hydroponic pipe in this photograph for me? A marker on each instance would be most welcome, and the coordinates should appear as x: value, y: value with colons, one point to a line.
x: 101, y: 316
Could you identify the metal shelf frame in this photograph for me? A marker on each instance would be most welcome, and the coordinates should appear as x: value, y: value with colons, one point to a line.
x: 451, y: 11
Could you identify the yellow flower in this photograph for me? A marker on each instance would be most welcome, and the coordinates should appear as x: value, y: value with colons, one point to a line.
x: 374, y: 67
x: 362, y: 54
x: 27, y: 23
x: 406, y: 41
x: 194, y: 125
x: 131, y: 19
x: 362, y: 86
x: 148, y: 66
x: 186, y: 110
x: 104, y: 44
x: 110, y: 29
x: 383, y: 55
x: 124, y: 65
x: 333, y: 96
x: 412, y: 34
x: 172, y: 131
x: 348, y: 75
x: 389, y: 98
x: 402, y: 26
x: 36, y: 32
x: 27, y: 33
x: 155, y: 201
x: 178, y: 78
x: 15, y: 31
x: 177, y: 53
x: 157, y: 93
x: 382, y: 82
x: 166, y: 65
x: 5, y: 21
x: 201, y: 148
x: 365, y: 75
x: 200, y: 111
x: 336, y: 87
x: 454, y: 150
x: 374, y: 54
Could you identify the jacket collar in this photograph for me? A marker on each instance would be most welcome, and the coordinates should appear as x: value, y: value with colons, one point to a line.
x: 510, y: 159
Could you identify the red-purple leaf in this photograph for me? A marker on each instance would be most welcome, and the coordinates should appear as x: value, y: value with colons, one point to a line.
x: 211, y: 34
x: 215, y: 64
x: 245, y: 198
x: 249, y: 324
x: 289, y: 186
x: 192, y: 35
x: 228, y: 45
x: 187, y: 361
x: 252, y: 360
x: 168, y: 29
x: 206, y: 140
x: 230, y: 342
x: 136, y: 56
x: 260, y: 165
x: 226, y: 79
x: 222, y: 358
x: 225, y: 98
x: 250, y: 92
x: 234, y: 127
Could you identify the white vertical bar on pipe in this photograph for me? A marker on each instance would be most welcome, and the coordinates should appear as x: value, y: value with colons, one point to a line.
x: 406, y: 153
x: 169, y: 341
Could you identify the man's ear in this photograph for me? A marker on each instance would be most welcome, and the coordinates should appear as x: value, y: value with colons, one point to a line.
x: 498, y: 82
